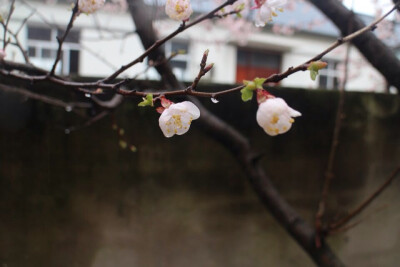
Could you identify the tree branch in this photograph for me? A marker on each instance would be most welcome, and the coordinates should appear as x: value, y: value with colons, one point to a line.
x: 302, y: 232
x: 362, y: 206
x: 373, y: 49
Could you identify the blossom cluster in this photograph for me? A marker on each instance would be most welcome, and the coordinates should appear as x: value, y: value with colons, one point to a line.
x: 273, y: 115
x: 266, y: 9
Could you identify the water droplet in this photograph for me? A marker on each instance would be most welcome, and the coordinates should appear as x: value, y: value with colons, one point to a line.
x: 214, y: 100
x: 67, y: 131
x: 88, y: 95
x: 68, y: 108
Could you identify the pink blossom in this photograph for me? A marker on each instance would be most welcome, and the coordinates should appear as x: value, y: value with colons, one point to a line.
x: 90, y: 6
x: 178, y: 9
x: 267, y: 9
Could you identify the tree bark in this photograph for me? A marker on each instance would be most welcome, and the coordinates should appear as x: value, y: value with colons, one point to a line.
x: 240, y: 147
x: 373, y: 49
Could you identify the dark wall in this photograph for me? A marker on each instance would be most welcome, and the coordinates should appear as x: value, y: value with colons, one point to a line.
x: 78, y: 199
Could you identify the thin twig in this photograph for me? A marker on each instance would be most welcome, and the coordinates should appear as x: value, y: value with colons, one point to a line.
x: 329, y: 175
x: 5, y: 25
x: 354, y: 224
x: 160, y: 42
x: 203, y: 71
x: 75, y: 13
x: 70, y: 106
x: 108, y: 86
x: 18, y: 44
x: 364, y: 204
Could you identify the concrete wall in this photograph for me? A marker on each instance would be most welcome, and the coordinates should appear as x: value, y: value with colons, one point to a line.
x: 80, y: 200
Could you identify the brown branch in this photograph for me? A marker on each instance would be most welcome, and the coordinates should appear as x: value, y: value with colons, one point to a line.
x: 75, y: 13
x: 164, y: 68
x: 354, y: 224
x: 5, y: 25
x: 240, y: 147
x: 273, y: 78
x: 364, y: 204
x: 329, y: 175
x: 18, y: 44
x: 160, y: 42
x: 373, y: 49
x: 203, y: 71
x: 69, y: 106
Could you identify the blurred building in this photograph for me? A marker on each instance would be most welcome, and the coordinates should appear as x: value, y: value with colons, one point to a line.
x: 101, y: 42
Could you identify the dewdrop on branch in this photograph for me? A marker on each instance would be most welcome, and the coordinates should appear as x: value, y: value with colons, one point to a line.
x: 90, y: 6
x: 176, y: 118
x: 178, y: 9
x: 273, y: 114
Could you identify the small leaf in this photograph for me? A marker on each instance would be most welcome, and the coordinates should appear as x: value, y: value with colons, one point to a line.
x: 239, y: 15
x: 313, y: 74
x: 249, y: 85
x: 148, y: 101
x: 246, y: 94
x: 241, y: 7
x: 314, y: 68
x: 259, y: 82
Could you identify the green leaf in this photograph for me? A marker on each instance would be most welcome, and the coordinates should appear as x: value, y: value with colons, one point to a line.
x: 313, y: 74
x: 249, y: 85
x: 314, y: 68
x: 247, y: 94
x: 259, y: 82
x: 148, y: 101
x: 239, y: 15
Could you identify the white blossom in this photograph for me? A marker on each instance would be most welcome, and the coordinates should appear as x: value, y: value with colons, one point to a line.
x: 176, y: 119
x: 90, y: 6
x: 275, y: 116
x: 267, y: 10
x: 178, y: 9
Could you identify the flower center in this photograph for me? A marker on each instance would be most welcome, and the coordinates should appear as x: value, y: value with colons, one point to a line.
x: 177, y: 121
x: 179, y: 8
x: 274, y: 119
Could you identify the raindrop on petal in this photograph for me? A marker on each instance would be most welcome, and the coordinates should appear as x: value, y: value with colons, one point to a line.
x: 214, y: 100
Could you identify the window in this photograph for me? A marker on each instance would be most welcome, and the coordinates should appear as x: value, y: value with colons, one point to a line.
x: 43, y: 45
x: 329, y: 76
x: 180, y: 62
x: 256, y: 63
